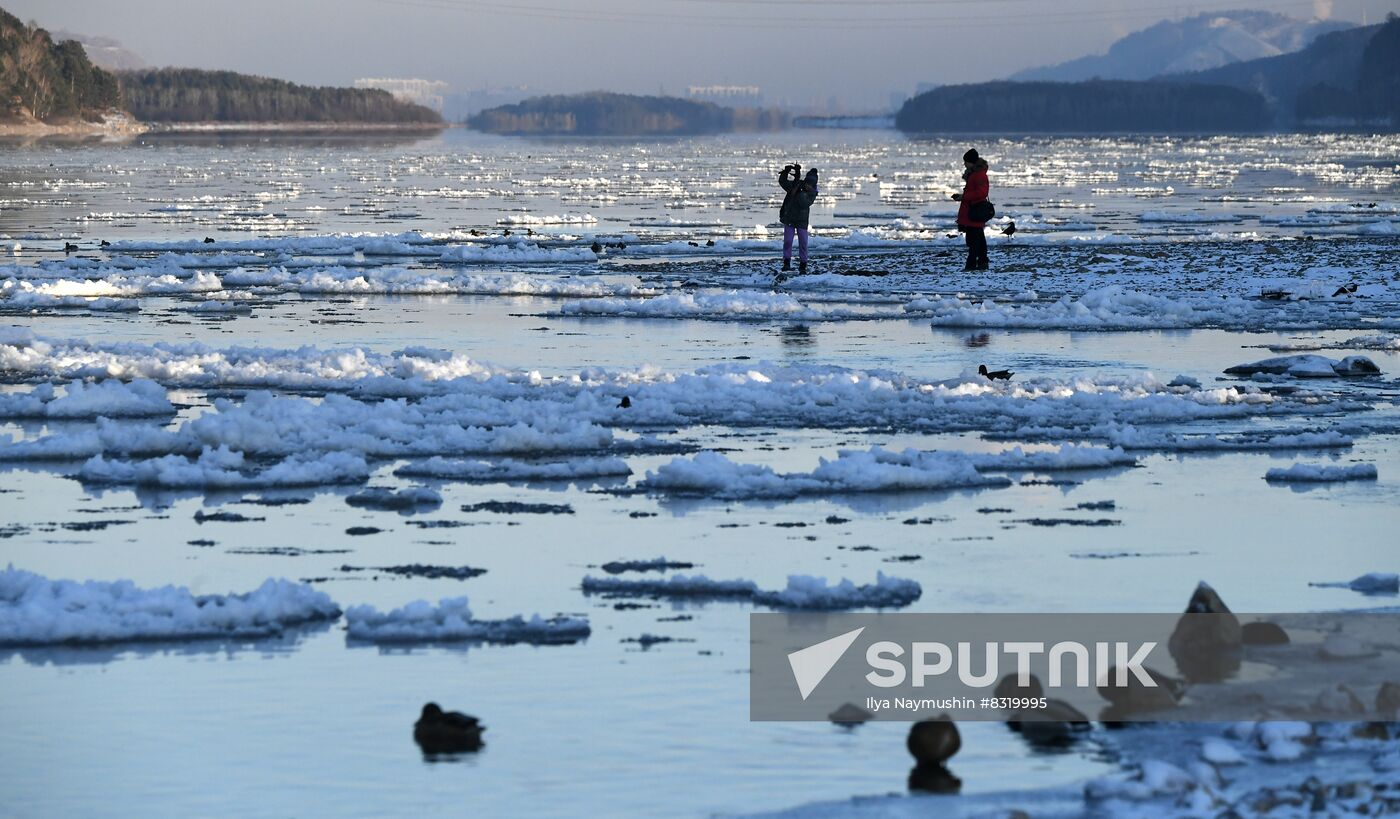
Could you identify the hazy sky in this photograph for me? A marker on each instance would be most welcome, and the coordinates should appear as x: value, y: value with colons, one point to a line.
x: 798, y: 50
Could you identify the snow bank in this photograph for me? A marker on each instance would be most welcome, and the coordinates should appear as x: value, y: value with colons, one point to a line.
x: 451, y: 621
x: 1311, y: 473
x: 35, y: 610
x: 802, y: 591
x: 110, y: 398
x: 515, y: 470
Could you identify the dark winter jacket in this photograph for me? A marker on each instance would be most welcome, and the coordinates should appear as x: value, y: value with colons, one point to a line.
x: 975, y: 190
x: 797, y: 204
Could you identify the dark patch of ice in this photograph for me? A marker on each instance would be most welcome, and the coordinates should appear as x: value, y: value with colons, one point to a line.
x: 422, y: 570
x: 223, y: 517
x: 518, y: 508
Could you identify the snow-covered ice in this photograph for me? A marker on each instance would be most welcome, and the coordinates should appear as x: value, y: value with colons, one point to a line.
x: 1315, y: 473
x: 35, y: 610
x: 801, y: 592
x: 452, y: 621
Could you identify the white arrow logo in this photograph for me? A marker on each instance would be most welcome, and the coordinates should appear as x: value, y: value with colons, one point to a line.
x: 811, y: 664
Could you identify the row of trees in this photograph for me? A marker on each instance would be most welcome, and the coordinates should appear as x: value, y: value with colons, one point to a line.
x: 606, y: 114
x: 194, y: 95
x: 1086, y: 107
x: 52, y: 80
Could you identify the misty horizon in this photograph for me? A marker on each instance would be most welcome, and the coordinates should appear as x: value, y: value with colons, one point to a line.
x: 840, y: 55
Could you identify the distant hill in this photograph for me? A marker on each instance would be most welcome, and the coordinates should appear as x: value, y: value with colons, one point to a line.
x: 105, y: 52
x: 607, y: 114
x: 1345, y: 79
x: 1194, y: 44
x: 47, y: 81
x: 1101, y: 106
x: 190, y: 95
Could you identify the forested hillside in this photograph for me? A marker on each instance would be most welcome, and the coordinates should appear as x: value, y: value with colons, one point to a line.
x: 169, y: 95
x: 51, y: 81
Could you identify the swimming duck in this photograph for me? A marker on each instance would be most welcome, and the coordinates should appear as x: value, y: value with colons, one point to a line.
x: 208, y: 240
x: 69, y: 247
x: 596, y: 247
x: 104, y: 243
x: 994, y: 375
x: 447, y: 732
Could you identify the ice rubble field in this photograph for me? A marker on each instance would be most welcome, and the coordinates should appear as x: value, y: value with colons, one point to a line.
x: 537, y: 362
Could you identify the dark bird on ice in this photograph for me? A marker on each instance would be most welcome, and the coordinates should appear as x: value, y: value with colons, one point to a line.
x: 104, y: 243
x: 1010, y: 229
x: 625, y: 402
x: 208, y: 240
x: 994, y: 375
x: 1345, y: 289
x: 597, y: 247
x: 447, y: 732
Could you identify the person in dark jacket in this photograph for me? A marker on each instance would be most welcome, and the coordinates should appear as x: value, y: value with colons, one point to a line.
x: 975, y: 189
x: 796, y: 212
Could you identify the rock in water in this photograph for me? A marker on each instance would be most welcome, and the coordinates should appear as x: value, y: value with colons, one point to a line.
x: 1388, y: 700
x: 1207, y: 638
x: 1263, y: 633
x: 934, y: 741
x: 1137, y: 696
x: 447, y: 732
x: 849, y: 716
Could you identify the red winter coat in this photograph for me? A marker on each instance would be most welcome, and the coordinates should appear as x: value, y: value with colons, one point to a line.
x: 976, y: 190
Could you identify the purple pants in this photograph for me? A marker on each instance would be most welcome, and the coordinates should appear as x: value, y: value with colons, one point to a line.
x: 788, y: 230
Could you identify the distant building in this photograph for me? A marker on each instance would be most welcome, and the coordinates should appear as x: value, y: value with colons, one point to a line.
x: 428, y: 93
x: 732, y: 96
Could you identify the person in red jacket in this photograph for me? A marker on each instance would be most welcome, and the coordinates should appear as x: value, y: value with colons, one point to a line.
x: 975, y: 189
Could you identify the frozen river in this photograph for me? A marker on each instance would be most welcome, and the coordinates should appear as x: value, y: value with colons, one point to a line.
x: 271, y: 326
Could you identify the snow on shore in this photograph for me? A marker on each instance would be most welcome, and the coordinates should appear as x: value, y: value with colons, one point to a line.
x: 452, y: 621
x: 1312, y: 473
x: 35, y: 610
x: 801, y: 592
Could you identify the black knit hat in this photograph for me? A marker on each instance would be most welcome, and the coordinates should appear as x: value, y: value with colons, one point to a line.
x: 971, y: 155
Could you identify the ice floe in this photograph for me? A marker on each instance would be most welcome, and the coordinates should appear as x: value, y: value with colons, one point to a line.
x: 1308, y: 366
x: 452, y: 621
x: 1313, y: 473
x: 1369, y: 583
x: 801, y: 592
x: 515, y: 470
x: 110, y: 398
x: 220, y: 468
x: 35, y: 610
